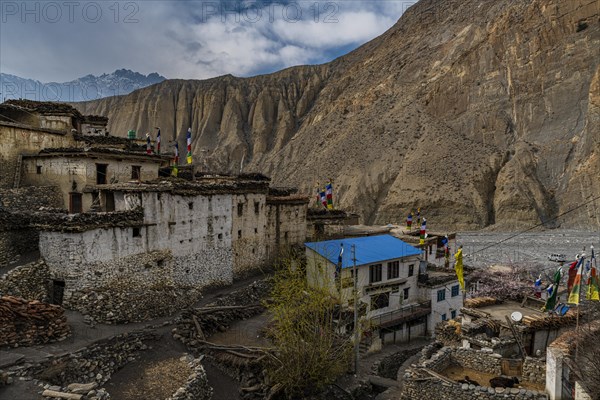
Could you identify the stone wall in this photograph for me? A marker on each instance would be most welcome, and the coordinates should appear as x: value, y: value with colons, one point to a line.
x: 286, y: 223
x: 534, y: 370
x: 133, y: 288
x: 95, y: 363
x: 30, y: 281
x: 16, y: 243
x: 248, y: 232
x: 16, y: 237
x: 438, y: 390
x: 73, y: 173
x: 31, y: 198
x: 17, y: 139
x: 196, y: 387
x: 418, y: 384
x: 484, y: 361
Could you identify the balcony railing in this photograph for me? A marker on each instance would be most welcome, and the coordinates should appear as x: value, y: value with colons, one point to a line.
x: 405, y: 314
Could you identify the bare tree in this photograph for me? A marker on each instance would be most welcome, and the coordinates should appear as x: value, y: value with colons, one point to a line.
x: 587, y: 360
x: 308, y: 330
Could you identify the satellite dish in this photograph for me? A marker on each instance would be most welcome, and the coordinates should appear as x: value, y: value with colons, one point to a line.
x: 516, y: 316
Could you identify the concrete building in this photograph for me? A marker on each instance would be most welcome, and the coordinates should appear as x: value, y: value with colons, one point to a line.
x: 387, y: 271
x: 441, y: 287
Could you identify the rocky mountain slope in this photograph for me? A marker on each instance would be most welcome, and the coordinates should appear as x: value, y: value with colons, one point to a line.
x: 479, y: 111
x: 89, y: 87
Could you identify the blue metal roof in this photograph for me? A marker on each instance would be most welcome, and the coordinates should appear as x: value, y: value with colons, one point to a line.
x: 369, y: 249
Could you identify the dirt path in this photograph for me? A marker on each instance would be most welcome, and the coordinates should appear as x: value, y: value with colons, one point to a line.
x: 83, y: 335
x: 158, y: 373
x: 246, y: 333
x: 136, y: 375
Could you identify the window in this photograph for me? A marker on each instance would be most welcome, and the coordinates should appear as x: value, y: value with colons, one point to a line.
x: 136, y: 172
x: 411, y: 269
x: 220, y: 236
x: 75, y: 203
x: 453, y: 314
x: 101, y: 174
x: 256, y: 207
x: 240, y: 209
x: 444, y: 317
x: 455, y: 290
x: 191, y: 205
x: 240, y: 234
x: 393, y: 269
x: 380, y: 300
x: 406, y: 290
x: 38, y: 169
x: 137, y: 232
x: 441, y: 295
x: 374, y: 273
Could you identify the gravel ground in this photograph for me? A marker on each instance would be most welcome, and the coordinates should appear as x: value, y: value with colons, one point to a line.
x: 532, y: 247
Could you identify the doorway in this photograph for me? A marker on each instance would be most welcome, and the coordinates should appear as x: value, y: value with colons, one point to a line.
x: 58, y: 292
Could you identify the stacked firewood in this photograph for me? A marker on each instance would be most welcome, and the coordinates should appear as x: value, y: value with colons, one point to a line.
x: 477, y: 302
x: 25, y: 323
x: 552, y: 322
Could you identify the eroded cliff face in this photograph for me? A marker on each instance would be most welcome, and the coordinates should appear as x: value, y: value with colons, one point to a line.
x: 479, y: 112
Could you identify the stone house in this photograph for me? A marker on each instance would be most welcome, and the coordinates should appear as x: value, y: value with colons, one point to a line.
x: 189, y: 234
x: 80, y: 173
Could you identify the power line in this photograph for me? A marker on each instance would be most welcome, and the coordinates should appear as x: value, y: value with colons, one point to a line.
x: 537, y: 225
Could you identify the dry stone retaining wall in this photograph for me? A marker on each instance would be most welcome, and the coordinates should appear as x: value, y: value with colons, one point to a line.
x: 484, y: 361
x: 95, y: 363
x: 415, y: 387
x: 196, y: 387
x: 31, y: 198
x: 29, y: 281
x: 534, y: 370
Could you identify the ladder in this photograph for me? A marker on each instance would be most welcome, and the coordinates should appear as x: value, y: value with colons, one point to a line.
x: 516, y: 336
x: 17, y: 180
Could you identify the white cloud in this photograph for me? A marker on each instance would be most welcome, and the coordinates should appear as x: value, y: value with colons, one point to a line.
x: 182, y: 39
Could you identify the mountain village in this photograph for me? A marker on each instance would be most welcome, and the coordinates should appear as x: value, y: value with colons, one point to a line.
x: 416, y: 218
x: 117, y: 232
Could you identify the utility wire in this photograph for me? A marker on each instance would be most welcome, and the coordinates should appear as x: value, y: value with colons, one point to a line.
x: 536, y: 226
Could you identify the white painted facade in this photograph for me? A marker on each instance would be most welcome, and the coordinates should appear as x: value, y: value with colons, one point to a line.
x: 446, y: 302
x: 186, y: 238
x: 321, y: 273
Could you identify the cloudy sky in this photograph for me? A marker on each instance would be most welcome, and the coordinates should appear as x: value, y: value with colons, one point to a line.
x: 63, y: 40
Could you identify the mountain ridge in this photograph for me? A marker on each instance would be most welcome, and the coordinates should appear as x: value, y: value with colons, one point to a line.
x: 89, y: 87
x: 480, y: 113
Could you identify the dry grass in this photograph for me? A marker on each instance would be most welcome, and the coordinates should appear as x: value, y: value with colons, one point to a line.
x: 158, y: 380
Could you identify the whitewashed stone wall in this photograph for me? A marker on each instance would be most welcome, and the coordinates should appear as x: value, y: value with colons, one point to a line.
x: 185, y: 242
